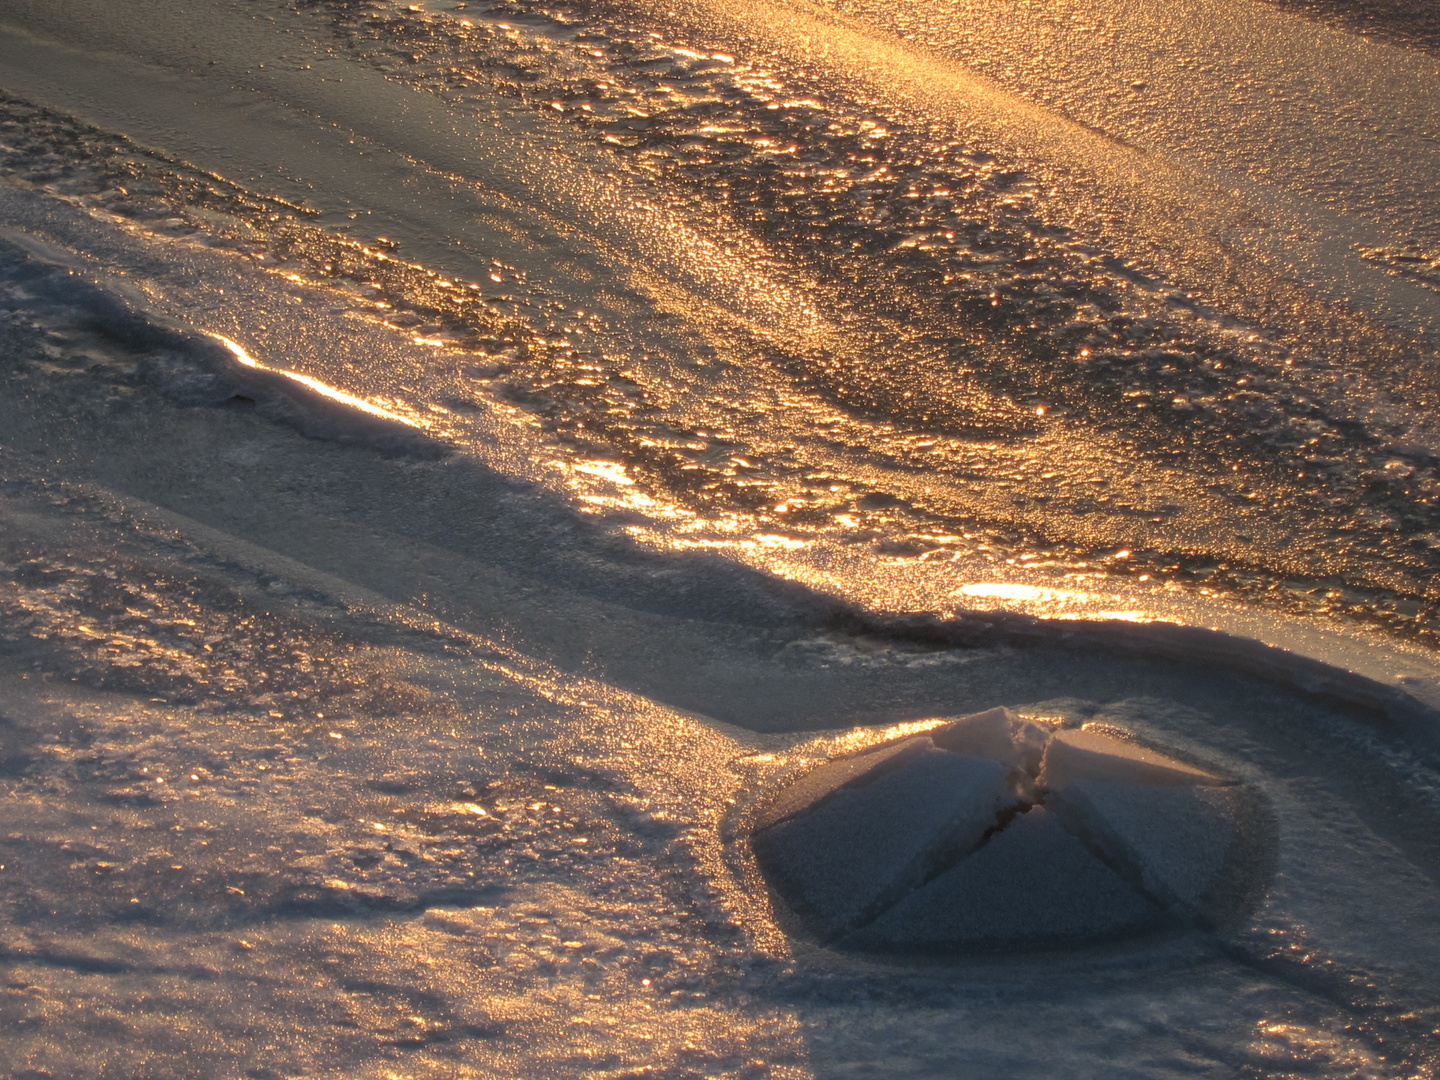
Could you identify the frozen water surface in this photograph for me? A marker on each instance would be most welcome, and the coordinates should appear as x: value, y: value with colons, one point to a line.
x: 473, y: 475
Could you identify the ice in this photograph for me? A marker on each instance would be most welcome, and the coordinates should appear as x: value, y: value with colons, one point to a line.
x: 1129, y: 832
x: 997, y: 734
x: 1033, y: 885
x: 1092, y: 755
x: 845, y: 860
x: 319, y: 761
x: 819, y: 783
x: 1176, y: 841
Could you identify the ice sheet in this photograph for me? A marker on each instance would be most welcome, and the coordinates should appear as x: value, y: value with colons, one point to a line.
x: 758, y: 339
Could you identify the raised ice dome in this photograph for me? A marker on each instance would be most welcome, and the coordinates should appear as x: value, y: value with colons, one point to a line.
x: 1093, y: 755
x: 992, y: 831
x: 1034, y: 882
x: 861, y: 846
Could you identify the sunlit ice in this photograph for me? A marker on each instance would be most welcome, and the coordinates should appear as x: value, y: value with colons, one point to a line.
x: 718, y: 538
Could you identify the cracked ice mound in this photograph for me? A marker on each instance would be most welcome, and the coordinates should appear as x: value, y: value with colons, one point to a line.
x: 995, y: 833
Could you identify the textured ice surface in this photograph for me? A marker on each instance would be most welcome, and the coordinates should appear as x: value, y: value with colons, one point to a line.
x: 1033, y: 885
x: 502, y: 867
x: 824, y: 780
x: 316, y: 762
x: 860, y: 849
x: 997, y: 734
x: 1176, y: 841
x: 1001, y: 276
x: 1130, y: 832
x: 1092, y: 755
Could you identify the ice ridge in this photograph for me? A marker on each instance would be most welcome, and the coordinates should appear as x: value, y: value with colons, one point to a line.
x: 194, y: 367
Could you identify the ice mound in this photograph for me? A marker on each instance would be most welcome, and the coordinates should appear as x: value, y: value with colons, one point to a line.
x: 1092, y: 755
x: 997, y: 734
x: 1034, y: 884
x: 822, y: 782
x: 1176, y: 842
x: 864, y: 844
x: 995, y: 832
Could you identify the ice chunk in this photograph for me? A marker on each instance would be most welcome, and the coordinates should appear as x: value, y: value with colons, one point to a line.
x: 984, y: 735
x: 1175, y: 841
x: 1033, y: 885
x: 841, y: 862
x: 821, y: 782
x: 997, y: 734
x: 1090, y: 755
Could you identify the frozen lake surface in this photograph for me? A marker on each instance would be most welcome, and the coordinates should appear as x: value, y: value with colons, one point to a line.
x: 462, y: 462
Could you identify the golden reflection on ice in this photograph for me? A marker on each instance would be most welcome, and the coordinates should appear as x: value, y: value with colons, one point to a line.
x: 774, y: 540
x: 581, y: 477
x: 1051, y: 602
x: 1297, y: 1048
x: 613, y: 471
x: 1035, y: 594
x: 312, y: 383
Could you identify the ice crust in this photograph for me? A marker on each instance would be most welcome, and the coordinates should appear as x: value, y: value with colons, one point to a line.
x: 824, y: 781
x: 997, y: 734
x: 1092, y: 755
x: 1175, y: 841
x: 1033, y: 885
x: 858, y: 851
x: 939, y: 843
